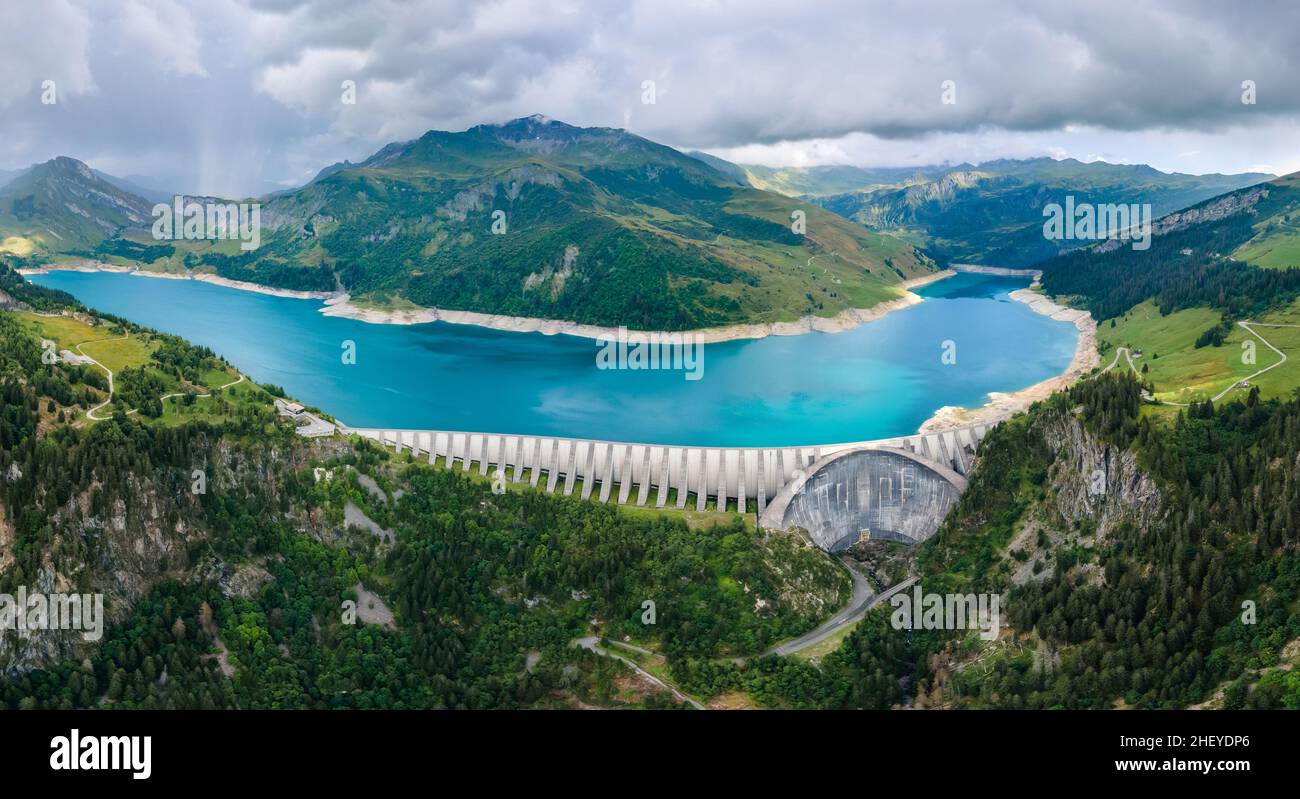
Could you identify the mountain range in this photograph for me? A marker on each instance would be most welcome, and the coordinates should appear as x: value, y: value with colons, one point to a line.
x: 991, y: 214
x: 541, y: 219
x: 63, y: 205
x: 530, y: 218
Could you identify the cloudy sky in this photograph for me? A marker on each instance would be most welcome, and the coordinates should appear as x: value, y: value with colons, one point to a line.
x: 232, y: 96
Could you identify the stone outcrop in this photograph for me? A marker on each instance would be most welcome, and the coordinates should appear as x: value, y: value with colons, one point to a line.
x: 1093, y: 480
x: 1218, y: 208
x: 140, y: 539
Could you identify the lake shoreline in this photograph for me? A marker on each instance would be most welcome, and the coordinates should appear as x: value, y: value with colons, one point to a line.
x: 342, y: 306
x: 339, y: 304
x: 1003, y: 405
x: 1000, y: 405
x: 202, y: 277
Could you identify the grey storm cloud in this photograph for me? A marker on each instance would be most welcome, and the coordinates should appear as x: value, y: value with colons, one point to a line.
x: 233, y: 93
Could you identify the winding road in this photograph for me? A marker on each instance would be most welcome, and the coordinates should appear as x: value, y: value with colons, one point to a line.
x: 218, y: 388
x: 863, y: 601
x: 1118, y: 352
x: 91, y: 413
x: 1255, y: 333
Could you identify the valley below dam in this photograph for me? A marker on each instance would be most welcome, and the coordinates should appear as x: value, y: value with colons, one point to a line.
x: 882, y: 379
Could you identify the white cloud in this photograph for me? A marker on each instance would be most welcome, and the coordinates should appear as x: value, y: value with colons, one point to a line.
x: 833, y: 81
x: 164, y: 32
x: 1246, y: 148
x: 313, y: 83
x: 44, y: 41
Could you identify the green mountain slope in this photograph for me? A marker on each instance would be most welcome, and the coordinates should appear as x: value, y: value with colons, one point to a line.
x: 1198, y: 256
x: 993, y: 214
x: 1132, y: 596
x: 1276, y: 240
x: 62, y: 205
x: 990, y: 214
x: 595, y: 225
x: 827, y: 181
x: 1175, y: 307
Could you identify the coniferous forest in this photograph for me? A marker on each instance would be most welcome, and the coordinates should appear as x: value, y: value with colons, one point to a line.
x: 242, y: 597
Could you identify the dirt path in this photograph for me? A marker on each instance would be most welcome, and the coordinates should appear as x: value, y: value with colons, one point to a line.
x: 218, y: 388
x: 1255, y: 333
x: 91, y: 413
x: 1118, y: 352
x: 1249, y: 327
x: 592, y: 644
x: 1128, y: 356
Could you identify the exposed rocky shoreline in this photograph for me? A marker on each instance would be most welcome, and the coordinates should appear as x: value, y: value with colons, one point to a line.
x: 340, y: 304
x: 1004, y: 405
x: 205, y: 277
x: 997, y: 270
x: 999, y: 407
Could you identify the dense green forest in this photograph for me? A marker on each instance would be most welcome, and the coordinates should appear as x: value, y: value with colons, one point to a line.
x: 37, y: 297
x: 1163, y: 627
x: 477, y: 581
x: 488, y: 591
x: 1182, y: 268
x: 238, y: 595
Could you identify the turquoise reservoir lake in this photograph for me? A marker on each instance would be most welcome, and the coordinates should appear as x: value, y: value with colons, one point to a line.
x: 879, y: 380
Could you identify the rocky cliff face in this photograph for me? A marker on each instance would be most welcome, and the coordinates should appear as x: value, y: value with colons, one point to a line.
x: 1220, y: 207
x: 154, y: 532
x: 1095, y: 481
x: 1092, y: 490
x: 942, y: 191
x: 8, y: 303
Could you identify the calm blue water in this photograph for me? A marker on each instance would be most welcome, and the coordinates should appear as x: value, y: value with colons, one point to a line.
x: 879, y: 380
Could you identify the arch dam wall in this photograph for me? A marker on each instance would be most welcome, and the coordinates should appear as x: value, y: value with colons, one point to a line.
x: 649, y: 474
x: 867, y: 493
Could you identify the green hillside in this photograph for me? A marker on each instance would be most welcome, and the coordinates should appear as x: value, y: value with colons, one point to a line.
x: 1182, y: 301
x: 1195, y: 258
x: 830, y: 180
x: 529, y: 218
x: 1181, y: 372
x: 989, y: 214
x: 597, y: 226
x: 61, y: 205
x: 1276, y: 243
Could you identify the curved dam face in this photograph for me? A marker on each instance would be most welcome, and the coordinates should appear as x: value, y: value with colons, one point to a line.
x: 867, y: 493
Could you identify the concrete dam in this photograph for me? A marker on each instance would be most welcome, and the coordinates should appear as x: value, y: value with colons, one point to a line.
x: 866, y: 493
x: 894, y: 489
